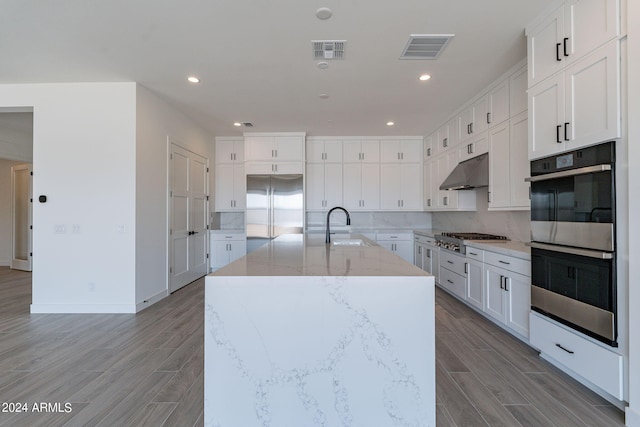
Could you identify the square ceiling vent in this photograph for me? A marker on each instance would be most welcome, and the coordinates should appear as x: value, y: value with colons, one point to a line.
x: 425, y: 46
x: 328, y: 49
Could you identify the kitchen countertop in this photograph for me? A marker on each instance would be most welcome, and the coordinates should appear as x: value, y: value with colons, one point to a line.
x: 510, y: 247
x: 308, y: 255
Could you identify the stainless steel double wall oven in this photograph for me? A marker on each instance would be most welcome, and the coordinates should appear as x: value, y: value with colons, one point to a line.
x: 573, y: 257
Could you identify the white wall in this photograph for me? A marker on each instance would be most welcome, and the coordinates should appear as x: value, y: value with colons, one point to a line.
x: 157, y: 121
x: 633, y: 71
x: 85, y: 163
x: 5, y: 211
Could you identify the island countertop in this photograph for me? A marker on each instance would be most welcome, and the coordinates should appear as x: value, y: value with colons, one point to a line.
x: 308, y: 255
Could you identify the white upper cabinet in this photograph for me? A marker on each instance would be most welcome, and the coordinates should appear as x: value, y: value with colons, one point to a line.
x: 356, y: 151
x: 498, y: 103
x: 361, y: 186
x: 578, y: 107
x: 479, y: 144
x: 518, y: 92
x: 401, y: 186
x: 321, y: 151
x: 401, y: 151
x: 323, y: 185
x: 429, y: 146
x: 443, y: 138
x: 231, y: 184
x: 229, y: 150
x: 573, y: 30
x: 274, y: 148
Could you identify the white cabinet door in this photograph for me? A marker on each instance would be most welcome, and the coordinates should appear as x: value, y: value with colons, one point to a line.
x: 499, y: 167
x: 518, y: 92
x: 443, y: 138
x: 370, y: 186
x: 390, y: 151
x: 220, y: 255
x: 447, y: 200
x: 465, y: 120
x: 592, y: 106
x: 289, y: 148
x: 519, y: 162
x: 390, y: 186
x: 367, y: 151
x: 333, y: 184
x: 411, y: 151
x: 314, y: 196
x: 518, y: 295
x: 259, y: 148
x: 239, y: 187
x: 481, y: 118
x: 499, y: 103
x: 428, y: 186
x: 419, y: 251
x: 229, y: 150
x: 433, y: 254
x: 475, y: 283
x: 589, y: 24
x: 429, y: 144
x: 230, y: 187
x: 411, y: 179
x: 352, y: 185
x: 333, y: 151
x: 545, y: 54
x: 546, y: 112
x: 479, y: 144
x: 454, y: 132
x: 315, y: 151
x: 371, y: 151
x: 494, y: 301
x: 404, y: 250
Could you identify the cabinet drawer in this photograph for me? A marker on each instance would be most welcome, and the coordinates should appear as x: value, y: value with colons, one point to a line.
x: 229, y: 236
x: 453, y: 262
x: 473, y: 253
x: 517, y: 265
x: 453, y: 282
x: 423, y: 239
x: 394, y: 236
x: 591, y: 361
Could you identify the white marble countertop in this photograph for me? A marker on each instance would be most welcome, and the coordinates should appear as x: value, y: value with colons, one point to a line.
x: 308, y: 255
x: 510, y: 247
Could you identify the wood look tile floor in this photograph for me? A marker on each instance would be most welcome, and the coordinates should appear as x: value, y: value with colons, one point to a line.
x: 147, y: 369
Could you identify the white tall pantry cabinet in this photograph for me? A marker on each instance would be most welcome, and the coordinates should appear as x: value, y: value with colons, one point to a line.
x: 230, y: 181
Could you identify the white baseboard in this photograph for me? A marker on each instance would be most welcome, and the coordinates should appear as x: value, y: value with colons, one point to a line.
x: 5, y: 263
x: 152, y: 300
x: 632, y: 416
x: 82, y: 308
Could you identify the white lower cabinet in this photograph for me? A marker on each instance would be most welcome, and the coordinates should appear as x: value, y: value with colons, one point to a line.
x: 453, y: 273
x: 475, y: 283
x: 427, y: 255
x: 400, y: 244
x: 590, y: 360
x: 508, y: 293
x: 226, y: 248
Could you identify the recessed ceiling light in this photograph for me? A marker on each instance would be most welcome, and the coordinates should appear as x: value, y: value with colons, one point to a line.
x: 237, y: 124
x: 425, y: 77
x: 323, y: 95
x: 323, y: 65
x: 324, y: 13
x: 390, y: 123
x: 193, y: 79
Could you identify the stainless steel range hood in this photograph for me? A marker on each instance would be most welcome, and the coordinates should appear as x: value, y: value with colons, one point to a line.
x: 472, y: 173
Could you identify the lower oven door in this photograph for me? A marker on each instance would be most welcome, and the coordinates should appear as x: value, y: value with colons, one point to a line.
x: 576, y: 287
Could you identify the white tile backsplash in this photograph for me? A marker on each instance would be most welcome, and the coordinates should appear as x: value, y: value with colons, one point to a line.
x: 372, y: 220
x: 515, y: 225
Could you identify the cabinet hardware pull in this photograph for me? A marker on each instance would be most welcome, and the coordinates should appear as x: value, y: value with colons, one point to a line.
x: 566, y: 126
x: 506, y: 283
x: 558, y: 52
x: 471, y: 127
x: 420, y: 250
x: 445, y: 142
x: 488, y: 196
x: 503, y: 262
x: 362, y: 156
x: 428, y: 152
x: 488, y: 118
x: 428, y: 202
x: 564, y: 42
x: 449, y: 281
x: 450, y: 262
x: 501, y: 282
x: 446, y: 200
x: 473, y: 253
x: 565, y: 349
x: 428, y: 253
x: 401, y: 156
x: 558, y: 134
x: 276, y: 153
x: 466, y: 268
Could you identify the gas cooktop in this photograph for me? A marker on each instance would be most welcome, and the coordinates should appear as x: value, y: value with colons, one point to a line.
x: 454, y: 241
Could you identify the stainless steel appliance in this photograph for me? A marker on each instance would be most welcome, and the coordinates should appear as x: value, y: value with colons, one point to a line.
x: 455, y: 242
x: 573, y: 240
x: 275, y: 206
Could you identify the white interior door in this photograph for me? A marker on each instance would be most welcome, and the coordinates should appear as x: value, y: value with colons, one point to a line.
x: 22, y: 201
x: 188, y: 213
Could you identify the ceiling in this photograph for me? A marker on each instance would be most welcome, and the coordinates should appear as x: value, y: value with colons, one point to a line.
x: 254, y: 57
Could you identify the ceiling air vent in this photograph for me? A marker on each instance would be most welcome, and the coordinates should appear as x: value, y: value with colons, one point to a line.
x: 425, y: 46
x: 248, y: 124
x: 328, y: 49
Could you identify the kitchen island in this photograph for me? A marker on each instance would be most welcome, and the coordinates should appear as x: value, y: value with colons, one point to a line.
x: 300, y: 333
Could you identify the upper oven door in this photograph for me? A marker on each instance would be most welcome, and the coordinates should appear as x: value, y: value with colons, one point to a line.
x: 574, y: 208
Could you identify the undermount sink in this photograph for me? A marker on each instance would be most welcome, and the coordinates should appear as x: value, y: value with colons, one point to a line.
x: 349, y: 242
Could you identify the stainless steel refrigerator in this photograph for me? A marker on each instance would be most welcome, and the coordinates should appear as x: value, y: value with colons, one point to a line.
x: 275, y: 206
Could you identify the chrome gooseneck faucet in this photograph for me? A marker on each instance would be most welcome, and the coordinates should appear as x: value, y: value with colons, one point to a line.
x: 328, y: 238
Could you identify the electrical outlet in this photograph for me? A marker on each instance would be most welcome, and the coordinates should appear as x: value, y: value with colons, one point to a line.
x: 121, y: 228
x: 60, y: 229
x: 75, y: 228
